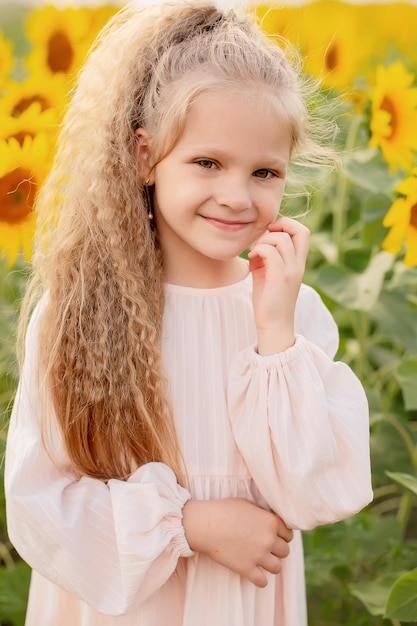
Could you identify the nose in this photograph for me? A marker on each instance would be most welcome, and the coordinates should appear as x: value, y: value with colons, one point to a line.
x: 233, y: 192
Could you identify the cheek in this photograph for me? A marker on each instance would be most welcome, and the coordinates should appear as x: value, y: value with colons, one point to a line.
x: 182, y: 197
x: 270, y: 207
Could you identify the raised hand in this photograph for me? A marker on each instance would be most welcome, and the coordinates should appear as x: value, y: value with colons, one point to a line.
x: 239, y: 535
x: 277, y: 262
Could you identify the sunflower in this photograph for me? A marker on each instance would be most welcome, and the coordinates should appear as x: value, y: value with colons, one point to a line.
x: 402, y: 220
x: 60, y: 39
x: 6, y: 58
x: 31, y: 122
x: 23, y: 168
x: 394, y: 115
x: 50, y: 92
x: 325, y: 34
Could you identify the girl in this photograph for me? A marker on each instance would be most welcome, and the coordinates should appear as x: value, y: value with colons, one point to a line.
x: 179, y: 417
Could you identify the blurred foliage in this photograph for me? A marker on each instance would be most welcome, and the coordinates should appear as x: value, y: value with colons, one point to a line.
x: 363, y: 219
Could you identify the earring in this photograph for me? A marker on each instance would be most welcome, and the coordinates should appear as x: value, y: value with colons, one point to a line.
x: 148, y: 197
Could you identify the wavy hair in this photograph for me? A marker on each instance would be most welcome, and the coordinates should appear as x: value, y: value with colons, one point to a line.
x: 97, y: 258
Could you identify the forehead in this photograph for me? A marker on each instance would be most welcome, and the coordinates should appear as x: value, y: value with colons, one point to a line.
x: 237, y: 121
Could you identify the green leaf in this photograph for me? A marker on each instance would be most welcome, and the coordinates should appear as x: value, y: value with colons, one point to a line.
x: 406, y: 375
x: 402, y: 600
x: 375, y: 207
x: 373, y: 594
x: 397, y: 319
x: 403, y: 277
x: 367, y: 170
x: 337, y: 283
x: 14, y: 586
x: 406, y: 480
x: 355, y: 291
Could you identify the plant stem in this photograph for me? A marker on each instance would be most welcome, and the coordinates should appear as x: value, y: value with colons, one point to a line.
x: 360, y: 326
x: 385, y: 490
x: 6, y: 556
x: 405, y: 436
x: 404, y: 510
x: 340, y: 208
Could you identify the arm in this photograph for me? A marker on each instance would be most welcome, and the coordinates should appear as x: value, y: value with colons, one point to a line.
x: 299, y: 419
x: 69, y: 528
x: 301, y: 423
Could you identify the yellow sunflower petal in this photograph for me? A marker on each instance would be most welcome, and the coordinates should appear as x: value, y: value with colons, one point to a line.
x: 98, y: 16
x: 394, y: 115
x: 393, y: 242
x: 408, y: 187
x: 23, y: 169
x: 398, y: 213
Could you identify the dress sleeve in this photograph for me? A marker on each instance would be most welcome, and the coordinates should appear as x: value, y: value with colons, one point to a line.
x: 301, y: 422
x: 111, y: 544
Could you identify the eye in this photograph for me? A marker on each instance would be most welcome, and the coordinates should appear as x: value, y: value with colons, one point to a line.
x: 206, y: 164
x: 263, y: 173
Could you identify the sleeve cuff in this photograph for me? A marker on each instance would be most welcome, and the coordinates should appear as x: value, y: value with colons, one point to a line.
x: 298, y: 350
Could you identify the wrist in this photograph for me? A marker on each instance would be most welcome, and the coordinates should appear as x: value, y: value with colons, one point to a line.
x: 194, y: 520
x: 274, y: 340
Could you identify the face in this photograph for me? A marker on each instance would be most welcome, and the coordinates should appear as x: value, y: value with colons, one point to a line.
x: 222, y: 183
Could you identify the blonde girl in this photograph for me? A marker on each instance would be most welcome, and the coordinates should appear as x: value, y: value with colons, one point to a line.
x: 179, y: 417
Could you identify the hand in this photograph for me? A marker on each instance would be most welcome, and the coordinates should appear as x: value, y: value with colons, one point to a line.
x: 277, y: 262
x: 239, y: 535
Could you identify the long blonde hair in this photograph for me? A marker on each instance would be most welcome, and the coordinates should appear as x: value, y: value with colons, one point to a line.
x: 99, y: 263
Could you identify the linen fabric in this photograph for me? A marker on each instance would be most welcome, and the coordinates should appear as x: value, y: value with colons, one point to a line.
x: 288, y: 431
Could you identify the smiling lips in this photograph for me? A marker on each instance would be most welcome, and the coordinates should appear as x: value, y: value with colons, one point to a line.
x: 227, y: 225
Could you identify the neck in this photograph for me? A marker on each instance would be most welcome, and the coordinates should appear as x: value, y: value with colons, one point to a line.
x: 207, y: 275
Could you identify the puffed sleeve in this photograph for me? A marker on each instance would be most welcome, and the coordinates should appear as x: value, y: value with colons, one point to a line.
x: 301, y: 422
x: 111, y: 544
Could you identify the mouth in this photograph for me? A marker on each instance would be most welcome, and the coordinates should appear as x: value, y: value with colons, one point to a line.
x: 226, y: 225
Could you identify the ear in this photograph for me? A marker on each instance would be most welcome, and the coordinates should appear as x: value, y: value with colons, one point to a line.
x: 143, y: 151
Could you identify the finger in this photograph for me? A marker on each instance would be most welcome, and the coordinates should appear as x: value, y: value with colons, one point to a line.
x: 257, y: 577
x: 271, y: 563
x: 284, y: 532
x: 286, y: 224
x: 265, y: 255
x: 280, y: 549
x: 268, y: 247
x: 274, y: 239
x: 282, y: 241
x: 299, y: 233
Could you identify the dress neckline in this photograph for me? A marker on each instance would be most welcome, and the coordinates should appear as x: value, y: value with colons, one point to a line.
x: 209, y: 291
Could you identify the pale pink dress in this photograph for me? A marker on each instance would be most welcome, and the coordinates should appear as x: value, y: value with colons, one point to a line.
x: 289, y: 431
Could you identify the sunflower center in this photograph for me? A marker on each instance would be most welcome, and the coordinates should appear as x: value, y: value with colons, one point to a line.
x: 331, y: 58
x: 413, y: 216
x: 60, y: 53
x: 25, y: 103
x: 388, y: 106
x: 17, y: 195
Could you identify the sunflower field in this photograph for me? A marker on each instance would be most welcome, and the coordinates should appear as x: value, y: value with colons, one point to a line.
x: 363, y: 261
